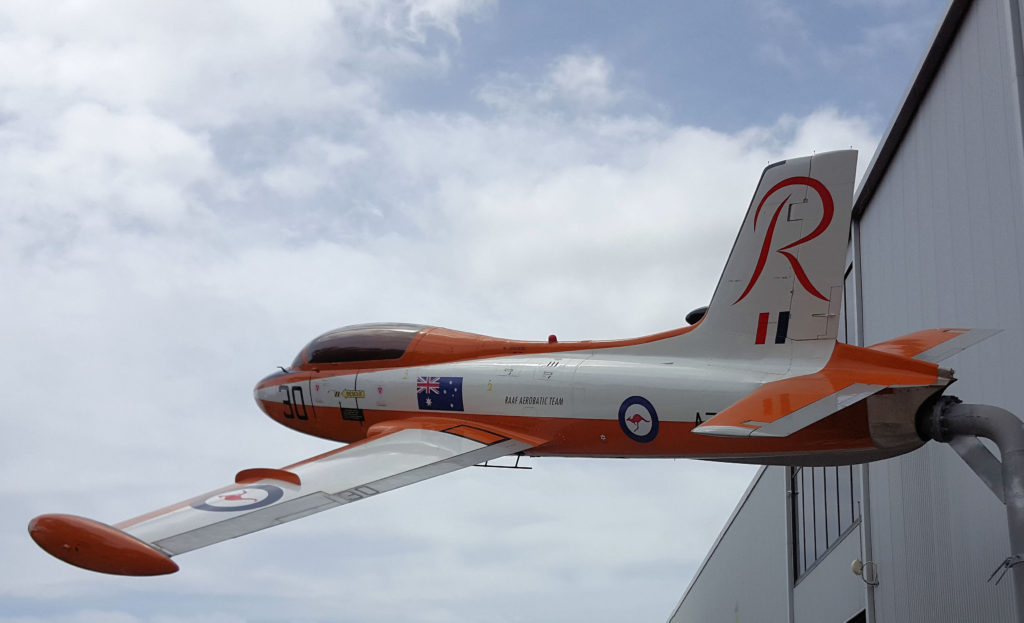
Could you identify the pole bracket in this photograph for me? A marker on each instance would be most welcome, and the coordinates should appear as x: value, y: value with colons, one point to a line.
x: 981, y: 461
x: 1006, y: 565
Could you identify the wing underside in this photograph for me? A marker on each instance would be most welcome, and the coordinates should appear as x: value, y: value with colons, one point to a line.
x: 402, y: 454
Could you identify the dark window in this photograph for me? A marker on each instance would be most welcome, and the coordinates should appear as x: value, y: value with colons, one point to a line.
x: 820, y: 510
x: 831, y: 504
x: 825, y: 506
x: 807, y: 516
x: 846, y: 493
x: 361, y: 342
x: 799, y: 555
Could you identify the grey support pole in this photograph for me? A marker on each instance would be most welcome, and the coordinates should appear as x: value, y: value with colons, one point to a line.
x: 958, y: 424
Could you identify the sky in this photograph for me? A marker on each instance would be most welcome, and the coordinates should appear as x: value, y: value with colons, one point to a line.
x: 190, y: 192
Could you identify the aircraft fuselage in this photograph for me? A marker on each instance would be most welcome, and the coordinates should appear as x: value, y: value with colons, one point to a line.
x: 584, y: 398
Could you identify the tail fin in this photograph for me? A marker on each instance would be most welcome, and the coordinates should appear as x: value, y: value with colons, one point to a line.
x: 783, y: 283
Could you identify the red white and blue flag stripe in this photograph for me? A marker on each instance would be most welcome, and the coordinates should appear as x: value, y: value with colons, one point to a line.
x: 781, y: 327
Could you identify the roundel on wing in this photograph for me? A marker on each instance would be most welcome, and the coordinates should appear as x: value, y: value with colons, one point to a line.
x: 638, y: 419
x: 241, y: 499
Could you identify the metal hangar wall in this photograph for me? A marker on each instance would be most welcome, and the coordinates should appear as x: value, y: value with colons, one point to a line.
x: 938, y: 241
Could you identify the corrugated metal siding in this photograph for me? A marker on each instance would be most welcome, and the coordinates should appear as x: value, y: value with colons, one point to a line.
x: 937, y: 537
x: 745, y: 578
x: 940, y: 247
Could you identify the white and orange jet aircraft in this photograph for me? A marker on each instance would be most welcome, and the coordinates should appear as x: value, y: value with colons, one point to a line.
x: 760, y: 378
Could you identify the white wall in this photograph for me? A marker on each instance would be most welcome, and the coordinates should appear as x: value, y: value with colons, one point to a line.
x: 746, y: 578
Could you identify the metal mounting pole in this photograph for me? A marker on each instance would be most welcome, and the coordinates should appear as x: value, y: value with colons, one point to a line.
x: 959, y: 425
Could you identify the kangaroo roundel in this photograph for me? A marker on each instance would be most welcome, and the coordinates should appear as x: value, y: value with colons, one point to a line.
x: 252, y: 496
x: 638, y: 419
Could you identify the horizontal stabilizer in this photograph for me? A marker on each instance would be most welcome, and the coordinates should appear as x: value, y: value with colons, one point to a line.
x: 792, y: 422
x: 934, y: 345
x: 781, y: 408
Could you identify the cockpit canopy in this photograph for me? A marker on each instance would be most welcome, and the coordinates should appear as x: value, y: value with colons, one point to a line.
x: 359, y: 342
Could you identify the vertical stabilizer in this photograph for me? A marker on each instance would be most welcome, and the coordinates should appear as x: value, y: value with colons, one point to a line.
x: 783, y: 283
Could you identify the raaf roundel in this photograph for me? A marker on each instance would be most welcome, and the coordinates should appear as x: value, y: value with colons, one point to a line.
x: 760, y: 378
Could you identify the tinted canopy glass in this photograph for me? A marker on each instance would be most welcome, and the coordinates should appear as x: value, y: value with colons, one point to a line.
x: 361, y: 342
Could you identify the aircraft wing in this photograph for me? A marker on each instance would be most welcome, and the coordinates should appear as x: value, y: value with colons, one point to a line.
x: 395, y: 454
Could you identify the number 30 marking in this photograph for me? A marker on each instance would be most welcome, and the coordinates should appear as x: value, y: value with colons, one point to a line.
x: 293, y: 397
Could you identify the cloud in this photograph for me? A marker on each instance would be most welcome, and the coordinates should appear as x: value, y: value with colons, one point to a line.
x: 129, y: 167
x: 883, y: 4
x: 113, y: 616
x: 204, y: 65
x: 778, y: 15
x: 583, y: 78
x: 845, y: 37
x: 877, y: 42
x: 572, y: 81
x: 309, y: 166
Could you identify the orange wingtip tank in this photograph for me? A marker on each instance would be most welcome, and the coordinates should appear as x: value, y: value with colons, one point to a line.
x: 96, y: 546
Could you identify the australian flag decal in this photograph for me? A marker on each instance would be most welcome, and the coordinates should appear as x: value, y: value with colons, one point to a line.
x: 439, y: 393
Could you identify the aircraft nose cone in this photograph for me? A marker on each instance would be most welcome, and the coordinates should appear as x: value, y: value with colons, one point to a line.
x: 265, y: 389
